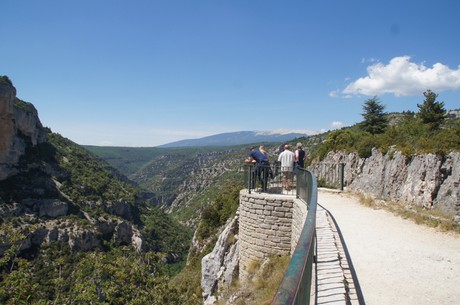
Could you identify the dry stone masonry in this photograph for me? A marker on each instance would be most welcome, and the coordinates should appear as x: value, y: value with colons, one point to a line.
x: 269, y: 225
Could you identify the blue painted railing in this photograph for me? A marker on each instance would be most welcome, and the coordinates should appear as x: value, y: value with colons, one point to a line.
x: 297, y: 281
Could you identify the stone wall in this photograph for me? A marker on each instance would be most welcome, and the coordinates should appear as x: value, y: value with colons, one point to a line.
x: 269, y: 225
x: 299, y: 215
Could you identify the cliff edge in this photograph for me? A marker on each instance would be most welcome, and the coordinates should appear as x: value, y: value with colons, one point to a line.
x: 20, y: 128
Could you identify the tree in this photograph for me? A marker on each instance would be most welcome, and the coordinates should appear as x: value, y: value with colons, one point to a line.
x: 375, y: 119
x: 431, y: 112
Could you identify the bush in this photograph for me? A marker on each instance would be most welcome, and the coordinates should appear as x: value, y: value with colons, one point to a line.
x: 223, y: 207
x: 409, y: 135
x: 5, y: 80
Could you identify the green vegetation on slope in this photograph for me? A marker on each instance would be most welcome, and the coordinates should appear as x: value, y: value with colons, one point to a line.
x: 180, y: 180
x: 428, y: 131
x: 89, y: 179
x: 119, y: 276
x: 5, y: 80
x: 112, y: 274
x: 129, y: 160
x: 223, y: 205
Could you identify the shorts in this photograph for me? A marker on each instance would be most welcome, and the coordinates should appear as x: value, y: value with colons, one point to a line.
x: 287, y: 174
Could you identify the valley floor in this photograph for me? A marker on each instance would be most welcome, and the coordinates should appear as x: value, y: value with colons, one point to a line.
x: 396, y: 260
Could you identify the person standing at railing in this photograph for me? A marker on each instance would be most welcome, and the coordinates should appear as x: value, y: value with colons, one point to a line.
x: 286, y: 158
x: 300, y: 156
x: 268, y: 169
x: 261, y: 163
x: 262, y: 150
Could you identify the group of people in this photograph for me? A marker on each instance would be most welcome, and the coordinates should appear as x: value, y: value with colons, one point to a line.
x: 289, y: 162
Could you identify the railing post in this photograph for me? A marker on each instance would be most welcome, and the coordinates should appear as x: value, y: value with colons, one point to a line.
x: 342, y: 175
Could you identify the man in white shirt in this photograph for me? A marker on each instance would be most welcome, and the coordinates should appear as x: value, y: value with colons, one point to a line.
x: 287, y: 165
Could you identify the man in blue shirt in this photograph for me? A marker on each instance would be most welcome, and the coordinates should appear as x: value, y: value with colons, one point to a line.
x: 257, y: 155
x: 261, y: 167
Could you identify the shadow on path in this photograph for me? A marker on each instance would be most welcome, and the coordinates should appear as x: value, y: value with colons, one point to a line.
x: 336, y: 279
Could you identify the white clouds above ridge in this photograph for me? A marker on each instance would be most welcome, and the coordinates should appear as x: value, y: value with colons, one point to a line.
x: 402, y: 78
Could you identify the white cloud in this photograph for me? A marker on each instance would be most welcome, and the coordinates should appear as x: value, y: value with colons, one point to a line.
x: 336, y: 125
x: 402, y: 77
x: 334, y: 93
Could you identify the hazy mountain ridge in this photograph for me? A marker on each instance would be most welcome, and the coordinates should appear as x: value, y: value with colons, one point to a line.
x: 240, y: 138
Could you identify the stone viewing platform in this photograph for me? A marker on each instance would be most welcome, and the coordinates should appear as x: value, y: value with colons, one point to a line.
x: 269, y: 224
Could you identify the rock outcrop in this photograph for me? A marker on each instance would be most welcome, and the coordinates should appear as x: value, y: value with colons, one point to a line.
x: 19, y: 127
x: 426, y: 180
x: 220, y: 267
x: 30, y: 192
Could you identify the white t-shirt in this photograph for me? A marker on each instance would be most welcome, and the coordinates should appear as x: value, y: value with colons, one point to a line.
x: 287, y: 161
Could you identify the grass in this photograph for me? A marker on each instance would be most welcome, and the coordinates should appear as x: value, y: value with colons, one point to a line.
x: 264, y: 279
x: 325, y: 184
x: 433, y: 218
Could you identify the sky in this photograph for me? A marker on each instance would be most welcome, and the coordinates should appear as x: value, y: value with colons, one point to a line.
x: 146, y: 72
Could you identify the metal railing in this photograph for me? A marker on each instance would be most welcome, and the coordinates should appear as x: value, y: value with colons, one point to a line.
x: 297, y: 281
x: 267, y: 178
x: 329, y: 174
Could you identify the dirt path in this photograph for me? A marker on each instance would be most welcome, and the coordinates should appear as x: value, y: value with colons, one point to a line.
x: 396, y: 260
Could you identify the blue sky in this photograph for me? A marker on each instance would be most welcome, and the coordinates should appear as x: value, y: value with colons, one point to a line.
x: 145, y: 73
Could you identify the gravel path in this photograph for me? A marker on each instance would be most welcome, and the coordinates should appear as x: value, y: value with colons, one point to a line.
x: 396, y: 260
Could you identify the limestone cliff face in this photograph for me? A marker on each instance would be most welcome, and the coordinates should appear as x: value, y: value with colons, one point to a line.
x: 220, y: 267
x: 33, y: 191
x: 425, y: 180
x: 19, y: 127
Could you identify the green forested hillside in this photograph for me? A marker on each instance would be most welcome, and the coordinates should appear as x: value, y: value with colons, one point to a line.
x: 180, y: 180
x: 68, y: 224
x: 127, y: 160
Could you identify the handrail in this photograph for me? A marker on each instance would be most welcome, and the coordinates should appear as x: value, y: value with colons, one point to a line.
x: 331, y: 174
x: 296, y: 284
x: 267, y: 176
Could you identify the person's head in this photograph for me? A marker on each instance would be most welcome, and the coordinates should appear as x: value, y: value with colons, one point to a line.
x: 251, y: 148
x: 299, y: 145
x: 262, y: 148
x: 286, y: 146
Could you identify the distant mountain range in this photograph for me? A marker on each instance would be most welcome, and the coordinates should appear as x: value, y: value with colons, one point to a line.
x: 240, y: 138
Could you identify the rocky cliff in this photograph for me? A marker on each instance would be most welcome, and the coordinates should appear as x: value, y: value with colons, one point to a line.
x: 220, y: 267
x: 426, y: 180
x: 19, y: 127
x: 37, y: 193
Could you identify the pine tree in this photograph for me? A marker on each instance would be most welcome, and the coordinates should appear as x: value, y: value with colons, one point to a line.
x: 431, y: 112
x: 375, y: 119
